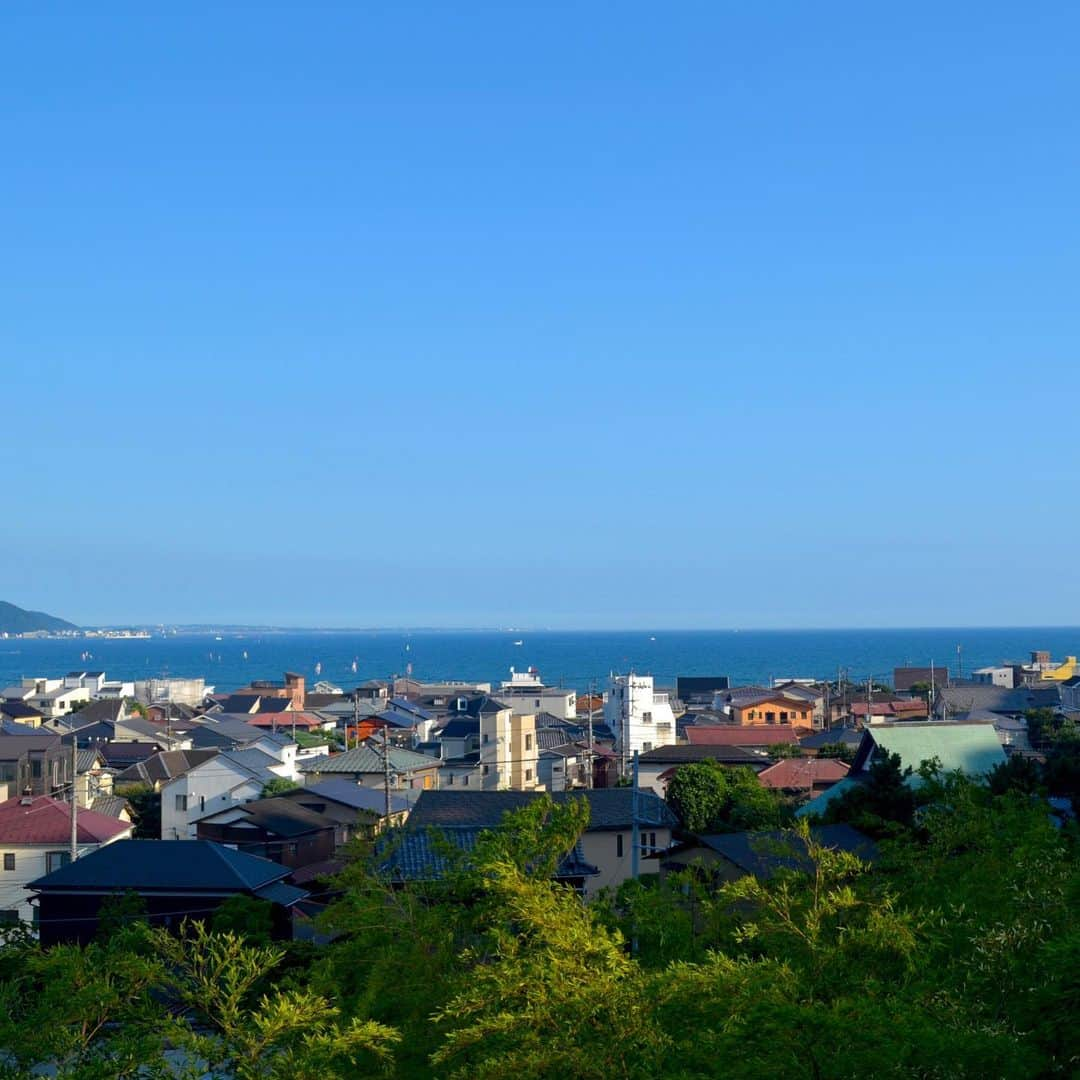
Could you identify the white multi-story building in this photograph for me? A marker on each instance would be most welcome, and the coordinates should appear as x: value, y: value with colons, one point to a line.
x: 640, y: 716
x: 230, y: 777
x: 525, y: 693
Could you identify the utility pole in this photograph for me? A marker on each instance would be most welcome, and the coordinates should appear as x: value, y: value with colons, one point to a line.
x: 386, y: 762
x: 933, y: 687
x: 589, y: 749
x: 74, y: 797
x: 355, y: 719
x: 635, y: 829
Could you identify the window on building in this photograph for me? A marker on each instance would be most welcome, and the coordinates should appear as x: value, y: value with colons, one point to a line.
x: 783, y: 717
x: 618, y: 845
x: 528, y: 774
x: 465, y: 780
x: 202, y: 803
x: 528, y: 742
x: 181, y: 803
x: 35, y: 768
x: 450, y: 780
x: 9, y: 860
x: 487, y: 769
x: 652, y: 841
x: 55, y: 859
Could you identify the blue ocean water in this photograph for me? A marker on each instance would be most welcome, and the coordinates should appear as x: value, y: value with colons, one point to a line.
x: 574, y: 658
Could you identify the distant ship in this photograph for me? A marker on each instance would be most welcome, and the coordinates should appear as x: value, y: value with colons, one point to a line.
x: 354, y: 667
x: 519, y: 642
x: 245, y: 654
x: 318, y: 667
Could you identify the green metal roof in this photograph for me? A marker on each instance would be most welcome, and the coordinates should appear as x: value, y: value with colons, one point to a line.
x: 974, y: 749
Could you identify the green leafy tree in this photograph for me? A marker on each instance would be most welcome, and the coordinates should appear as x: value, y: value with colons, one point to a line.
x: 81, y: 1013
x: 838, y: 750
x: 248, y: 917
x: 884, y: 802
x: 278, y: 786
x: 145, y: 805
x: 707, y: 797
x: 234, y: 1031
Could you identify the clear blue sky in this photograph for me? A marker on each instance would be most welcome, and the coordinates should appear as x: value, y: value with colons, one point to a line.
x: 464, y: 314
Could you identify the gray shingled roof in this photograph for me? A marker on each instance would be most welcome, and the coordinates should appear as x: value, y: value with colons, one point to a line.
x: 998, y: 698
x: 423, y: 855
x: 367, y: 759
x: 353, y: 795
x: 609, y: 808
x: 764, y: 854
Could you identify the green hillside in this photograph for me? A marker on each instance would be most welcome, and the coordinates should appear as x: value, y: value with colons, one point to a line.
x: 16, y: 620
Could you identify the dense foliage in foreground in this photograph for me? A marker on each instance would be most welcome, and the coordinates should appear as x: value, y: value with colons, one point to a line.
x: 957, y: 955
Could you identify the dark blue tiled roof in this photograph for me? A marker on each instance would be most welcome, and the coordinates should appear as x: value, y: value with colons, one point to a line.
x: 423, y: 855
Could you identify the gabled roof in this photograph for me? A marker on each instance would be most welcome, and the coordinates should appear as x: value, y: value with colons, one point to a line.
x: 19, y: 710
x: 85, y: 760
x: 738, y: 735
x: 764, y: 854
x: 998, y: 698
x: 460, y: 727
x: 110, y: 805
x: 367, y: 759
x: 973, y: 748
x: 419, y: 856
x: 276, y: 720
x: 165, y: 866
x: 223, y: 729
x: 164, y: 766
x: 95, y: 712
x: 14, y: 746
x: 119, y: 755
x: 847, y: 736
x: 609, y: 808
x: 353, y: 795
x: 44, y: 820
x: 682, y: 755
x: 281, y: 816
x: 803, y: 773
x: 10, y: 727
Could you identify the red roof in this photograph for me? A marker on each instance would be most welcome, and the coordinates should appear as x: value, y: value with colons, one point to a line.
x: 44, y: 820
x: 737, y: 735
x: 282, y: 721
x: 803, y: 772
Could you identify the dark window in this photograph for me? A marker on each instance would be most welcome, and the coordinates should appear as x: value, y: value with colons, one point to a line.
x: 181, y: 802
x: 35, y: 768
x: 528, y: 742
x: 55, y: 859
x: 618, y: 845
x: 9, y: 860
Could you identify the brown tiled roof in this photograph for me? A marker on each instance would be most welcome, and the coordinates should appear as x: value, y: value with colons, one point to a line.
x: 803, y: 772
x: 739, y: 735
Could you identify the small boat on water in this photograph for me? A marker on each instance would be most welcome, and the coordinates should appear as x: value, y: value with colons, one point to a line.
x: 318, y: 667
x: 245, y: 654
x: 519, y: 642
x: 354, y: 667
